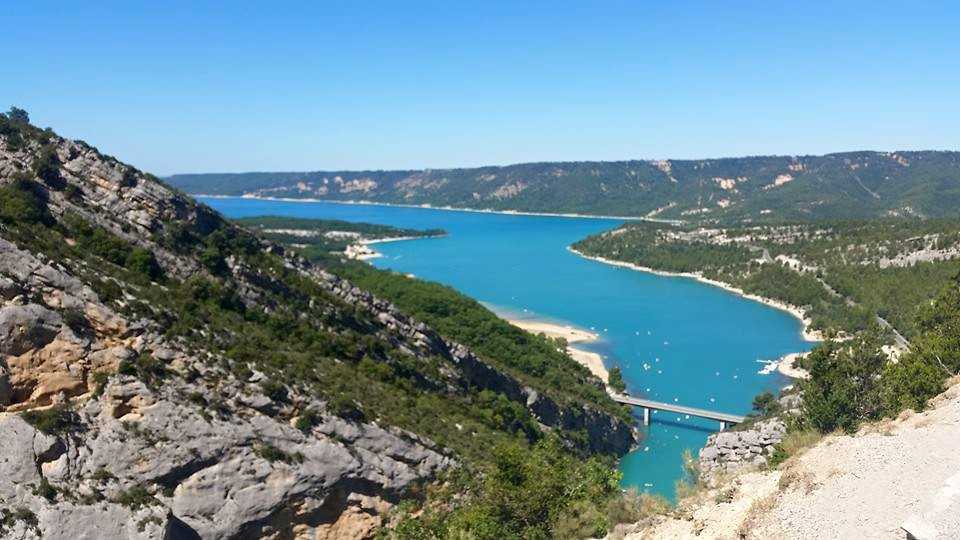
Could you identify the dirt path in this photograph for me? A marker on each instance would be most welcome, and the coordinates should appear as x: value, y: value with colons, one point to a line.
x: 869, y: 485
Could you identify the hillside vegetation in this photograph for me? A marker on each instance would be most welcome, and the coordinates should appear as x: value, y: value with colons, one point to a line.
x: 833, y: 186
x: 169, y: 364
x: 843, y: 274
x: 321, y: 236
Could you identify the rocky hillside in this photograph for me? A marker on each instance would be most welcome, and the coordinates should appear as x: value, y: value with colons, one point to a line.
x: 889, y: 479
x: 854, y: 184
x: 166, y: 374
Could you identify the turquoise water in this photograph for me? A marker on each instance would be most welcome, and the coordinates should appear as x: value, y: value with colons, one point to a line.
x: 675, y: 339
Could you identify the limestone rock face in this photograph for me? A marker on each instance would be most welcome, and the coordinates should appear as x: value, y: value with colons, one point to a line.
x: 26, y: 327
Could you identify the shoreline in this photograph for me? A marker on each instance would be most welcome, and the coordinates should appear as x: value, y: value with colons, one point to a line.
x: 431, y: 207
x: 786, y: 365
x: 360, y: 251
x: 588, y: 359
x: 799, y: 313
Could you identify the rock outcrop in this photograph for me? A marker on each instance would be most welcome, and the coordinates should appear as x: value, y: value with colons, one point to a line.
x: 728, y: 451
x: 139, y: 462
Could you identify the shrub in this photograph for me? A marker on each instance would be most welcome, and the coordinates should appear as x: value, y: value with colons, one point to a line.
x: 143, y: 262
x: 615, y: 380
x: 345, y: 408
x: 76, y: 320
x: 272, y: 453
x: 843, y: 388
x: 18, y: 115
x: 909, y: 383
x: 307, y: 420
x: 275, y: 391
x: 144, y: 367
x: 23, y: 202
x: 135, y: 498
x: 46, y: 166
x: 46, y: 490
x: 53, y: 421
x: 793, y: 443
x: 530, y: 492
x: 9, y: 517
x: 689, y: 482
x: 766, y: 404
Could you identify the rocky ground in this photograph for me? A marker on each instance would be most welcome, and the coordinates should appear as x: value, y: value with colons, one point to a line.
x: 202, y: 456
x: 888, y: 478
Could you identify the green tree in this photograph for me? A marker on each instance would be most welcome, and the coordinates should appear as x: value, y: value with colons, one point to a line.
x: 18, y: 115
x: 143, y: 262
x: 765, y: 403
x: 843, y: 388
x: 615, y: 380
x: 21, y: 202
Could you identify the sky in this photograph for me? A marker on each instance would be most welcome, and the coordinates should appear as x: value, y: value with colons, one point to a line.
x: 177, y: 87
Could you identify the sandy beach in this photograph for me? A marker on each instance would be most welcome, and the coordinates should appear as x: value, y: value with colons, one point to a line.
x: 590, y: 360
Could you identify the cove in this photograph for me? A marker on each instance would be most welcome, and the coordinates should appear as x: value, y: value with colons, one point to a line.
x: 676, y: 340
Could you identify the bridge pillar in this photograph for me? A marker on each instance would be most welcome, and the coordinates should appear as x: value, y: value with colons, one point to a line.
x: 723, y: 425
x: 646, y: 416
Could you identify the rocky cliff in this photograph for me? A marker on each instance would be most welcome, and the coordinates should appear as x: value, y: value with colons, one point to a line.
x: 140, y: 392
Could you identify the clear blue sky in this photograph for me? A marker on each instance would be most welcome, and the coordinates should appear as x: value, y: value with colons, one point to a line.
x: 349, y: 85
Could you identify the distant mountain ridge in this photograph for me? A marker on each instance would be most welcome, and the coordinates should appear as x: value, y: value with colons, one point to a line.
x: 854, y: 184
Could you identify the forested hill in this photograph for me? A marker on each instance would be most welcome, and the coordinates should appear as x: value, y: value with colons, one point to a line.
x: 848, y: 185
x: 843, y: 274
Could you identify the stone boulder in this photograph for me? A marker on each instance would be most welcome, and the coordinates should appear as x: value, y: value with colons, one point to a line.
x: 27, y: 327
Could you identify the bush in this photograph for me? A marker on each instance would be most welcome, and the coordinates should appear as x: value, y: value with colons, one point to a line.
x: 23, y: 202
x: 46, y: 490
x: 615, y: 380
x: 144, y: 367
x: 345, y: 408
x: 275, y: 391
x: 792, y: 444
x: 272, y: 453
x: 135, y: 498
x: 77, y: 321
x: 307, y: 420
x: 843, y: 388
x: 53, y: 421
x: 909, y: 383
x: 766, y: 404
x: 46, y: 166
x: 143, y: 262
x: 9, y: 517
x: 530, y: 492
x: 18, y: 115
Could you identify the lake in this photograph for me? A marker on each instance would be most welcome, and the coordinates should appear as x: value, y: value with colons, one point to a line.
x: 676, y: 339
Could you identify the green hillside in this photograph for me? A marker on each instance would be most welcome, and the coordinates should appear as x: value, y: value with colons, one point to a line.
x: 848, y: 185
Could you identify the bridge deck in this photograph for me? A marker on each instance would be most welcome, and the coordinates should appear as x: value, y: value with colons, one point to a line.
x: 692, y: 411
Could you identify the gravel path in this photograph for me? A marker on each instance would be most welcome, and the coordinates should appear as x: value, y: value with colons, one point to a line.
x: 869, y: 485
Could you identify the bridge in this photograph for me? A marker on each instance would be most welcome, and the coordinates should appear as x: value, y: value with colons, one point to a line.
x: 649, y: 405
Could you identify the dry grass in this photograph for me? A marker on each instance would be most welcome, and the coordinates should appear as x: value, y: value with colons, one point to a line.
x: 795, y: 478
x: 755, y: 514
x: 637, y: 510
x: 793, y: 445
